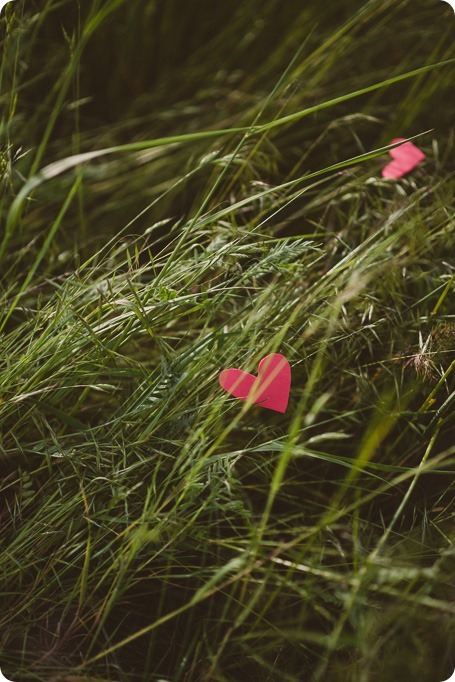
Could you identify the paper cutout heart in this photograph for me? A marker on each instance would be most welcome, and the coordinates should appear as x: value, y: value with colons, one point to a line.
x: 405, y: 157
x: 269, y: 389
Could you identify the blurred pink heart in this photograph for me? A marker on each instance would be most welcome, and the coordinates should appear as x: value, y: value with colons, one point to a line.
x: 269, y: 389
x: 405, y: 157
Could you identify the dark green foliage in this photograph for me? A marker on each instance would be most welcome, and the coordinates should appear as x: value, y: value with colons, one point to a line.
x: 152, y: 527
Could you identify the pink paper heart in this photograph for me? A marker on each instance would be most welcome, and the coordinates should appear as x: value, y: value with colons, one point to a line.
x: 269, y: 389
x: 406, y: 157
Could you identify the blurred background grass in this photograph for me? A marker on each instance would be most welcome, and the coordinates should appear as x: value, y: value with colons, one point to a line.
x: 106, y: 73
x: 152, y: 529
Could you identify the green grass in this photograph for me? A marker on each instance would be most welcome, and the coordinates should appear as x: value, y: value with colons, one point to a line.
x: 185, y: 187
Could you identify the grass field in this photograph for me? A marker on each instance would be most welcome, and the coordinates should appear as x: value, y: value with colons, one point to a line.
x: 188, y: 186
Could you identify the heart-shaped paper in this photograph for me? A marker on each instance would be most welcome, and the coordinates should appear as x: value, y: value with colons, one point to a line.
x: 405, y: 157
x: 269, y: 389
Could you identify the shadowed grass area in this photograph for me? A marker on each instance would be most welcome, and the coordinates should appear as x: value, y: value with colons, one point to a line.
x: 187, y: 187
